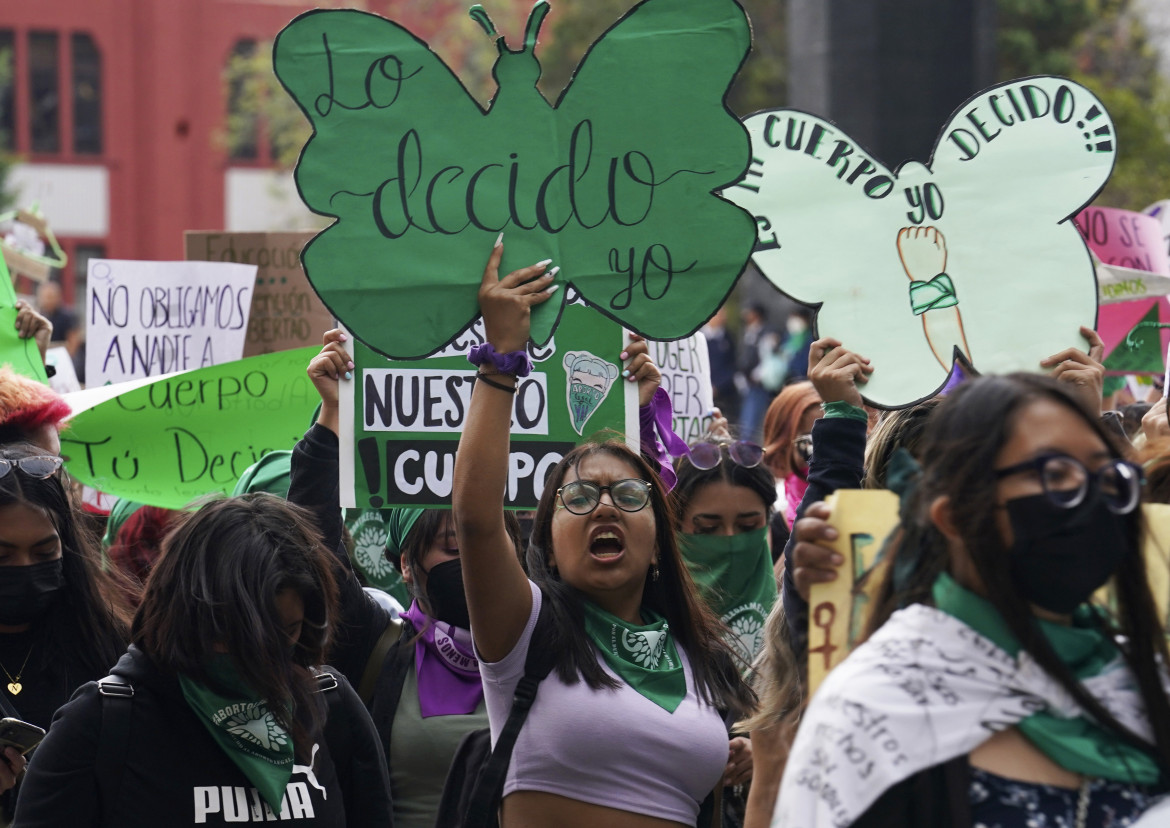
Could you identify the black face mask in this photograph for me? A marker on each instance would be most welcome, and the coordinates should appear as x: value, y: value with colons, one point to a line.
x: 1061, y: 556
x: 445, y: 593
x: 27, y: 592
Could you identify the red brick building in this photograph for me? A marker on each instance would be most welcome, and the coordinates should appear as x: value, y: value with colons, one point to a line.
x: 116, y: 109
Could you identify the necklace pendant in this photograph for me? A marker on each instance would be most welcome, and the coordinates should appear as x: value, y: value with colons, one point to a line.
x: 15, y: 687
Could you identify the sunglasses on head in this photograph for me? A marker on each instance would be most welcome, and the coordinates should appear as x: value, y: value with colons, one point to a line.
x: 707, y: 456
x: 38, y: 467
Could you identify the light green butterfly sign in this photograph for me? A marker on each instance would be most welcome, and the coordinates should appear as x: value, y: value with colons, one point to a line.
x: 972, y: 256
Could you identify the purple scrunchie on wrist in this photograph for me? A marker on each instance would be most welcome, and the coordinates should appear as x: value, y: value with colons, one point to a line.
x: 654, y: 421
x: 515, y: 364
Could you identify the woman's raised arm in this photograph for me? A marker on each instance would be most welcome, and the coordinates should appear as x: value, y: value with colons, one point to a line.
x: 498, y: 596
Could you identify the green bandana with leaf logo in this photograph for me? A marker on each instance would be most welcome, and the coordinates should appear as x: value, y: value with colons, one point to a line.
x: 643, y: 657
x: 1076, y: 744
x: 244, y: 727
x: 368, y: 527
x: 735, y: 577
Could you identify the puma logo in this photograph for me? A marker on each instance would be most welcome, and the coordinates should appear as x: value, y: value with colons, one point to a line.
x: 310, y: 774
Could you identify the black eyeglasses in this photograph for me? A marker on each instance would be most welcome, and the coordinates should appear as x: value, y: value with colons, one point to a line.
x: 38, y: 467
x: 707, y: 456
x: 1067, y: 481
x: 582, y: 496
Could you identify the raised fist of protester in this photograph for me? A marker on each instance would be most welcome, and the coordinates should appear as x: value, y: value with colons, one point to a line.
x: 835, y: 371
x: 640, y: 368
x: 1156, y: 422
x: 325, y: 370
x: 506, y: 304
x: 31, y: 325
x: 811, y: 562
x: 11, y: 768
x: 1084, y: 372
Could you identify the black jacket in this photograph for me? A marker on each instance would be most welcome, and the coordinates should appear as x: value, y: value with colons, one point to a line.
x: 173, y: 773
x: 314, y: 486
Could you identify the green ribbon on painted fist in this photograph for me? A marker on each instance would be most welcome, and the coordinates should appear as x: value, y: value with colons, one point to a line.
x: 936, y: 293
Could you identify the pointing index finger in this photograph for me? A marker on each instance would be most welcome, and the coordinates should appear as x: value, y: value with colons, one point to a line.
x: 491, y: 273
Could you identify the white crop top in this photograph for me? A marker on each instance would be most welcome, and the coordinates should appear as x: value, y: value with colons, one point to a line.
x: 613, y: 748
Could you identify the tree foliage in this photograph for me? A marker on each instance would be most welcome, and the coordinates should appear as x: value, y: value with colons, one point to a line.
x: 1104, y: 45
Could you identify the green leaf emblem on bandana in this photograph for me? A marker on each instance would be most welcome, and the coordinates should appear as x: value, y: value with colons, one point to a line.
x: 644, y: 657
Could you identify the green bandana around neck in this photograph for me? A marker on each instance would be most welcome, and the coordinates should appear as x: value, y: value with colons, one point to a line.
x: 735, y: 577
x: 1078, y: 744
x: 244, y: 728
x: 643, y: 657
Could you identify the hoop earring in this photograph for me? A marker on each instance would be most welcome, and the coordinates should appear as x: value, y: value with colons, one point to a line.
x: 653, y: 572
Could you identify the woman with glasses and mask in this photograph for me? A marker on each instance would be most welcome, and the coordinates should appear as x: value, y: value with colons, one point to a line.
x: 626, y: 730
x: 990, y: 692
x: 788, y: 426
x: 62, y: 622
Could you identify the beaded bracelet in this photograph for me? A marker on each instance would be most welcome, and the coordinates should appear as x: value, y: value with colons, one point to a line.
x: 511, y: 389
x: 516, y: 363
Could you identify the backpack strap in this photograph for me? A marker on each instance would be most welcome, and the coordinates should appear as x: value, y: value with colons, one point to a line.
x: 391, y: 634
x: 113, y: 748
x: 393, y: 669
x: 489, y: 784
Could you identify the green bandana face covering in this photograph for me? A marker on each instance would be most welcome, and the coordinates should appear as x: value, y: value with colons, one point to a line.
x: 244, y: 727
x: 1077, y: 744
x: 734, y: 574
x: 643, y: 657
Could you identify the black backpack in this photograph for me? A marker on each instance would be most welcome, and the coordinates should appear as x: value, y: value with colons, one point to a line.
x: 475, y: 781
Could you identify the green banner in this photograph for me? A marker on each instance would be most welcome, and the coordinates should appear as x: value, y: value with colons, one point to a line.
x: 614, y: 182
x: 176, y: 439
x: 402, y: 420
x: 21, y: 354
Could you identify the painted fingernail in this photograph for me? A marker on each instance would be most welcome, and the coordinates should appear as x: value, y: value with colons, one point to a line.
x: 554, y: 271
x: 348, y: 375
x: 625, y: 355
x: 349, y: 365
x: 499, y: 239
x: 625, y: 373
x: 344, y: 337
x: 545, y: 263
x: 551, y: 289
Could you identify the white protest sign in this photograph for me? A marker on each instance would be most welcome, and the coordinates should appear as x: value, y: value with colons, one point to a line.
x: 65, y: 379
x: 686, y: 376
x: 145, y: 319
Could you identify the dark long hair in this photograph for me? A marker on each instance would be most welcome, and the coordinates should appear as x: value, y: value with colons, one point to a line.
x: 691, y: 480
x: 673, y: 595
x: 215, y: 586
x: 88, y: 626
x: 960, y: 444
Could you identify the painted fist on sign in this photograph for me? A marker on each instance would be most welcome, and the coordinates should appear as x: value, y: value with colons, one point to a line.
x: 923, y: 251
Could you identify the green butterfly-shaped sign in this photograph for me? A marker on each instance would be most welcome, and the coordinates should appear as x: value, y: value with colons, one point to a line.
x: 614, y: 182
x: 971, y: 257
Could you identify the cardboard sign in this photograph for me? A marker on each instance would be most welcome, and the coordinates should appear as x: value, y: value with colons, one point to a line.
x: 614, y: 183
x: 21, y: 354
x: 145, y: 319
x: 176, y: 439
x: 401, y: 421
x: 1125, y: 238
x: 686, y: 376
x: 285, y: 313
x: 839, y: 610
x: 968, y: 257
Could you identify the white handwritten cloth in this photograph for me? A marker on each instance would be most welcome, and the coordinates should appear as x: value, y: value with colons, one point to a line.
x: 924, y: 689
